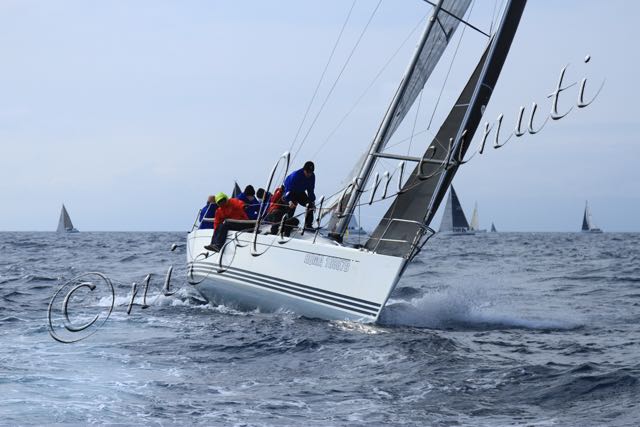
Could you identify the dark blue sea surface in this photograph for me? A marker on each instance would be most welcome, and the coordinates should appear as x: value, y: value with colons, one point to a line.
x: 497, y: 329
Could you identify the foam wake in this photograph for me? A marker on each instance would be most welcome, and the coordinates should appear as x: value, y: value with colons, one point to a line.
x: 465, y: 309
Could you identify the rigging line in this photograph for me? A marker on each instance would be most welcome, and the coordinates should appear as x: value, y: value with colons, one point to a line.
x: 375, y: 79
x: 466, y: 23
x: 501, y: 6
x: 446, y: 78
x: 493, y: 16
x: 407, y: 139
x: 315, y: 93
x: 364, y: 30
x: 415, y: 120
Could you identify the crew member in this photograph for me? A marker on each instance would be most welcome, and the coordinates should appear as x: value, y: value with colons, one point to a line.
x: 207, y: 213
x: 230, y: 216
x: 298, y: 189
x: 278, y: 208
x: 251, y: 203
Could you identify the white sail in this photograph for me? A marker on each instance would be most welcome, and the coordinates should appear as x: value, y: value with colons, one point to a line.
x: 474, y: 224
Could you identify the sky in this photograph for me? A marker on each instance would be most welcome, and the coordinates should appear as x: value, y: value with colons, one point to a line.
x: 131, y: 113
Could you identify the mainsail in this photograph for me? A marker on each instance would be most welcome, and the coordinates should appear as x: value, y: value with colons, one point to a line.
x: 493, y: 228
x: 64, y: 223
x: 453, y: 219
x: 439, y: 30
x: 400, y: 231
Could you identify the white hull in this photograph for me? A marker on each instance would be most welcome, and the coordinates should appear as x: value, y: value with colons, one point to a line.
x: 592, y: 230
x: 317, y: 280
x: 458, y: 233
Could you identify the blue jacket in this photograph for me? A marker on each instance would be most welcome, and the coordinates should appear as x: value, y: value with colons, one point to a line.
x: 250, y: 207
x: 297, y: 182
x: 209, y: 212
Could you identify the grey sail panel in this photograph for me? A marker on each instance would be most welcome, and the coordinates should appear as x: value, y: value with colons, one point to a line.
x: 493, y: 228
x: 411, y: 204
x: 426, y: 187
x: 430, y: 50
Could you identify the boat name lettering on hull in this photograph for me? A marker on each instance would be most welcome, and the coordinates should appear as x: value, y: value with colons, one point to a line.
x: 329, y: 262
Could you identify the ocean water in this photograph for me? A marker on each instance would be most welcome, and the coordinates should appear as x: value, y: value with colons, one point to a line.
x: 507, y: 329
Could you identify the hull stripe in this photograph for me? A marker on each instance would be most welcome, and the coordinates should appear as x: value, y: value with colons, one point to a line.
x: 298, y: 293
x: 295, y: 286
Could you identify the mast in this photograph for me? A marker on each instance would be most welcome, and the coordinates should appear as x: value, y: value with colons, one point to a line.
x: 383, y: 131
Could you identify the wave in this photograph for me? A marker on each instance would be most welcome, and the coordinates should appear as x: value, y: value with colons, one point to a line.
x: 583, y: 383
x: 406, y: 292
x: 463, y: 309
x: 34, y: 278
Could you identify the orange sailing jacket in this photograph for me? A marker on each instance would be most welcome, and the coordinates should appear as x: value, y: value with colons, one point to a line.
x: 233, y: 209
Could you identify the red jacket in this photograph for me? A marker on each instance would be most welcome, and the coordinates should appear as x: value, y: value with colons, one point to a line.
x: 276, y: 202
x: 233, y: 209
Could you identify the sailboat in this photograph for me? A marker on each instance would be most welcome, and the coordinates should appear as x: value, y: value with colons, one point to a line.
x: 64, y: 223
x: 474, y: 225
x: 354, y: 228
x: 318, y: 275
x: 454, y: 222
x: 236, y: 190
x: 493, y: 228
x: 587, y: 223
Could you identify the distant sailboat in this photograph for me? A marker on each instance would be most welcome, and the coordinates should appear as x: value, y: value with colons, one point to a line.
x: 493, y: 228
x: 354, y: 228
x: 587, y: 223
x: 236, y: 190
x: 474, y: 225
x: 64, y: 223
x: 454, y: 222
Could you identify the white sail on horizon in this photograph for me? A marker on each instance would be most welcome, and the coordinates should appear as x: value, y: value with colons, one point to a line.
x: 474, y: 224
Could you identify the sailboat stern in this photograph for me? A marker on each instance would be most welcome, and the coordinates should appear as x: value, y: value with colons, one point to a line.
x: 314, y: 279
